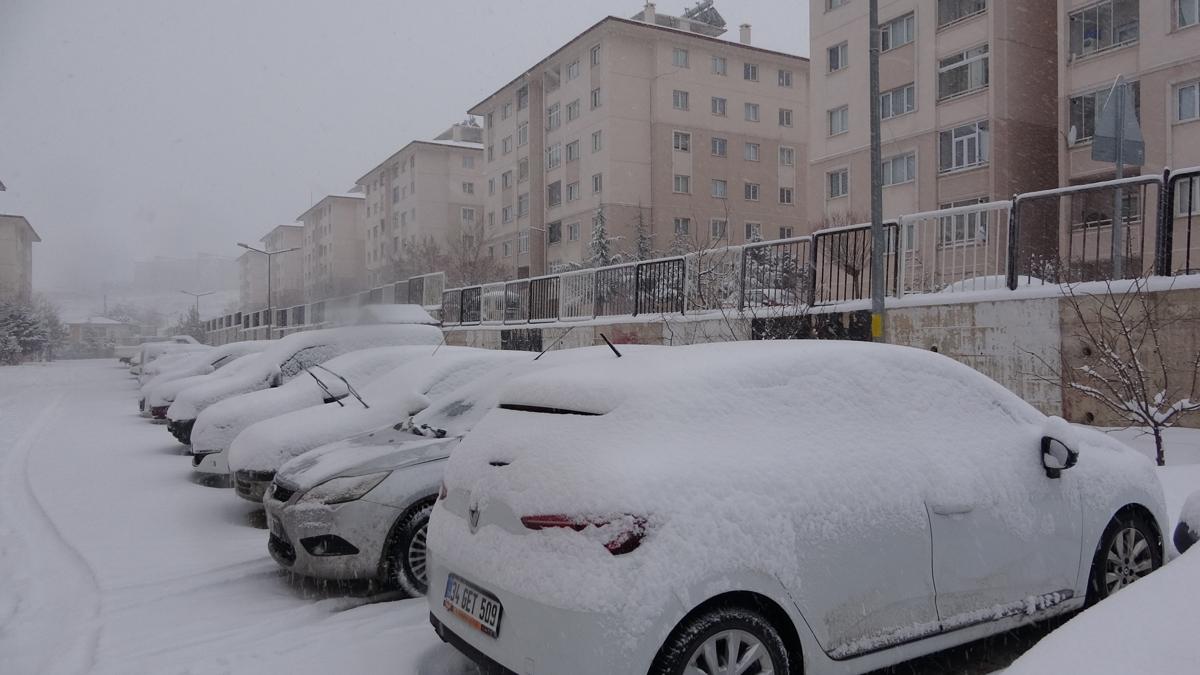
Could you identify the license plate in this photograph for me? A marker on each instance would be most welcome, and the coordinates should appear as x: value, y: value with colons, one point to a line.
x: 480, y: 609
x: 276, y: 528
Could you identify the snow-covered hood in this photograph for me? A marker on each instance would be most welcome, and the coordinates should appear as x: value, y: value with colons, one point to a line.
x: 205, y: 362
x: 362, y: 456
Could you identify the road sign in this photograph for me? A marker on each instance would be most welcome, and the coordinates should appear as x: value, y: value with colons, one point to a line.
x: 1117, y: 124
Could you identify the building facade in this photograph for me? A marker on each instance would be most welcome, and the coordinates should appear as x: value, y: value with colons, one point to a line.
x: 648, y: 130
x: 333, y: 248
x: 252, y: 281
x: 423, y: 198
x: 967, y: 90
x: 286, y: 269
x: 17, y: 238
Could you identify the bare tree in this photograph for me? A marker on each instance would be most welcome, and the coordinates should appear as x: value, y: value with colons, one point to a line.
x: 1124, y: 362
x: 468, y: 262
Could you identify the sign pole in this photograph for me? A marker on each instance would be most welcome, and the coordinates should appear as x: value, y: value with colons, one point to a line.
x: 878, y: 249
x: 1118, y: 224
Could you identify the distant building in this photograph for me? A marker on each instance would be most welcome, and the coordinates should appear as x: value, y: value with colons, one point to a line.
x: 199, y: 274
x: 98, y: 331
x: 252, y: 281
x: 16, y: 258
x: 333, y: 248
x: 287, y: 269
x: 427, y: 191
x: 650, y: 122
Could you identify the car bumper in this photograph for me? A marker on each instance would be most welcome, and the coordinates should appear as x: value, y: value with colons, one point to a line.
x: 536, y: 638
x: 216, y: 463
x: 181, y: 430
x: 352, y: 537
x: 252, y: 485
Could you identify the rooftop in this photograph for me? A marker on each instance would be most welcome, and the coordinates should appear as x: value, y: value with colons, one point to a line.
x: 4, y: 216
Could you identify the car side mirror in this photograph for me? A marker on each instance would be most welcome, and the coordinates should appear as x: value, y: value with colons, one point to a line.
x: 1056, y: 456
x: 275, y: 380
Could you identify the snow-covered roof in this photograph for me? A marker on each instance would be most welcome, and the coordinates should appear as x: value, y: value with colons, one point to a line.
x: 455, y: 144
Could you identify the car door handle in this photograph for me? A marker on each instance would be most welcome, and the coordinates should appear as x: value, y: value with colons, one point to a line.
x: 951, y: 508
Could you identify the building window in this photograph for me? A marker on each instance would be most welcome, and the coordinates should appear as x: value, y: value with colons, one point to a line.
x: 751, y: 112
x: 720, y: 188
x: 491, y: 219
x: 596, y: 55
x: 506, y: 215
x: 597, y: 183
x: 950, y: 11
x: 718, y: 106
x: 785, y: 78
x: 522, y: 169
x: 522, y: 134
x: 787, y: 156
x: 553, y: 117
x: 897, y: 32
x: 468, y: 188
x: 786, y: 232
x: 573, y: 110
x: 573, y: 231
x: 785, y: 195
x: 1187, y: 13
x: 964, y: 228
x: 682, y: 141
x: 573, y: 191
x: 554, y: 156
x: 683, y: 184
x: 468, y: 216
x: 753, y: 231
x: 750, y: 72
x: 554, y: 233
x: 595, y: 98
x: 522, y: 98
x: 750, y: 193
x: 839, y: 120
x: 1083, y: 110
x: 750, y: 152
x: 597, y: 141
x: 717, y: 227
x: 839, y: 183
x: 507, y: 248
x: 680, y: 58
x: 522, y: 205
x: 491, y: 186
x: 489, y: 120
x: 468, y: 162
x: 1187, y: 196
x: 395, y: 193
x: 523, y: 242
x: 963, y: 72
x: 506, y: 111
x: 785, y: 117
x: 572, y: 70
x: 834, y: 4
x: 491, y: 153
x: 720, y: 66
x: 506, y: 180
x: 1103, y: 26
x: 682, y: 226
x: 839, y: 56
x: 679, y: 100
x: 899, y: 169
x: 720, y: 147
x: 1188, y: 98
x: 573, y: 151
x: 898, y: 101
x: 963, y: 147
x: 506, y: 145
x: 554, y: 194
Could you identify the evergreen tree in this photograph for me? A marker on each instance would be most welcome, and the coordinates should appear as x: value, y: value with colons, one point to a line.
x: 190, y: 324
x: 20, y: 322
x: 56, y: 332
x: 10, y: 349
x: 600, y: 248
x: 645, y: 241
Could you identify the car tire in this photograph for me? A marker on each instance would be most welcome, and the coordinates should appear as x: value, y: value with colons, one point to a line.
x: 408, y: 554
x: 1120, y: 558
x: 693, y: 643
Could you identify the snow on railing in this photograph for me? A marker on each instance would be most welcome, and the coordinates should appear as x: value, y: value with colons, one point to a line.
x: 964, y: 248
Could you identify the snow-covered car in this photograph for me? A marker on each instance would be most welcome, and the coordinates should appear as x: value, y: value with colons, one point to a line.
x: 194, y: 365
x: 1150, y: 628
x: 288, y: 358
x: 258, y: 452
x: 160, y: 398
x: 824, y: 507
x: 1187, y: 530
x: 127, y: 353
x: 359, y: 508
x: 221, y: 422
x: 151, y: 355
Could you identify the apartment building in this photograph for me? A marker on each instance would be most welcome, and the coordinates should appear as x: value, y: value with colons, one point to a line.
x: 426, y: 192
x: 650, y: 125
x: 1155, y: 46
x: 252, y: 281
x: 286, y: 269
x: 17, y: 238
x: 333, y: 248
x: 967, y: 94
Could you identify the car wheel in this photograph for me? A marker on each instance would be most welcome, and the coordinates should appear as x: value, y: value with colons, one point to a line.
x: 1129, y: 550
x: 409, y: 554
x: 723, y: 640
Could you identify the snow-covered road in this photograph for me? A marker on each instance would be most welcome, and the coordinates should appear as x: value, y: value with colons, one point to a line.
x: 115, y: 561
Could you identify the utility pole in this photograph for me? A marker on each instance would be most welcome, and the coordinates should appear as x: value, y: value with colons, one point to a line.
x: 270, y: 255
x: 878, y: 247
x: 1118, y: 139
x: 197, y: 296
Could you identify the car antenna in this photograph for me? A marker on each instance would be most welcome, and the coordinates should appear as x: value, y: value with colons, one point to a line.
x: 560, y: 337
x: 349, y: 387
x: 610, y: 345
x: 323, y: 386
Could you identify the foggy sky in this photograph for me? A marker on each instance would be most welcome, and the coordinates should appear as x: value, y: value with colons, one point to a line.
x: 130, y: 129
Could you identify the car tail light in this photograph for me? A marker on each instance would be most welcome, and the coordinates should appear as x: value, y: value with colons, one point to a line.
x: 621, y: 534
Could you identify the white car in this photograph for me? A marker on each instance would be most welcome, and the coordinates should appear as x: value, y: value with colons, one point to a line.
x: 262, y: 448
x: 221, y: 422
x: 151, y: 352
x: 162, y: 396
x: 774, y: 507
x: 287, y: 359
x: 161, y: 389
x: 359, y: 508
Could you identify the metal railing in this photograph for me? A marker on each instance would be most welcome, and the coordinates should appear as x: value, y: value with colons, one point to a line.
x: 543, y: 299
x: 964, y: 248
x: 776, y: 273
x: 841, y: 263
x: 1179, y: 243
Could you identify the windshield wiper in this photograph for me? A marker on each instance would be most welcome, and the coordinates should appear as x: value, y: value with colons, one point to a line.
x: 329, y: 397
x: 428, y: 431
x: 349, y: 387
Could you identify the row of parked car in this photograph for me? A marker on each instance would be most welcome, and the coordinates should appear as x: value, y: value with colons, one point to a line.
x: 747, y: 507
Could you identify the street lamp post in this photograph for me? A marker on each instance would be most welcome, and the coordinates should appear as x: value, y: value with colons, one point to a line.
x: 197, y: 296
x: 269, y: 254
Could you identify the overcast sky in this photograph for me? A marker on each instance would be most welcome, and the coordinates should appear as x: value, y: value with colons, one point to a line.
x: 135, y: 128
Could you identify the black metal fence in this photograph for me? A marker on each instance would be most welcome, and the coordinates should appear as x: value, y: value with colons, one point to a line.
x: 616, y: 288
x: 659, y: 285
x: 543, y: 299
x: 1177, y: 238
x: 842, y: 263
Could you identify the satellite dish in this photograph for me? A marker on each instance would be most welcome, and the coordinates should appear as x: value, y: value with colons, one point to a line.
x: 1072, y: 134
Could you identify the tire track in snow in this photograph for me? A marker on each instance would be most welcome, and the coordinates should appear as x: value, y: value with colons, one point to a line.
x: 53, y: 628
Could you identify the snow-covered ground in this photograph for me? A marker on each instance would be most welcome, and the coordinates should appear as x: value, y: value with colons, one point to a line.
x: 112, y: 560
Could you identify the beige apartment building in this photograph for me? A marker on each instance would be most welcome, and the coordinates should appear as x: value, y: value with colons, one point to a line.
x: 427, y: 192
x: 652, y: 124
x: 17, y: 238
x: 1155, y: 46
x: 286, y: 269
x: 334, y: 250
x: 967, y: 95
x: 252, y: 281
